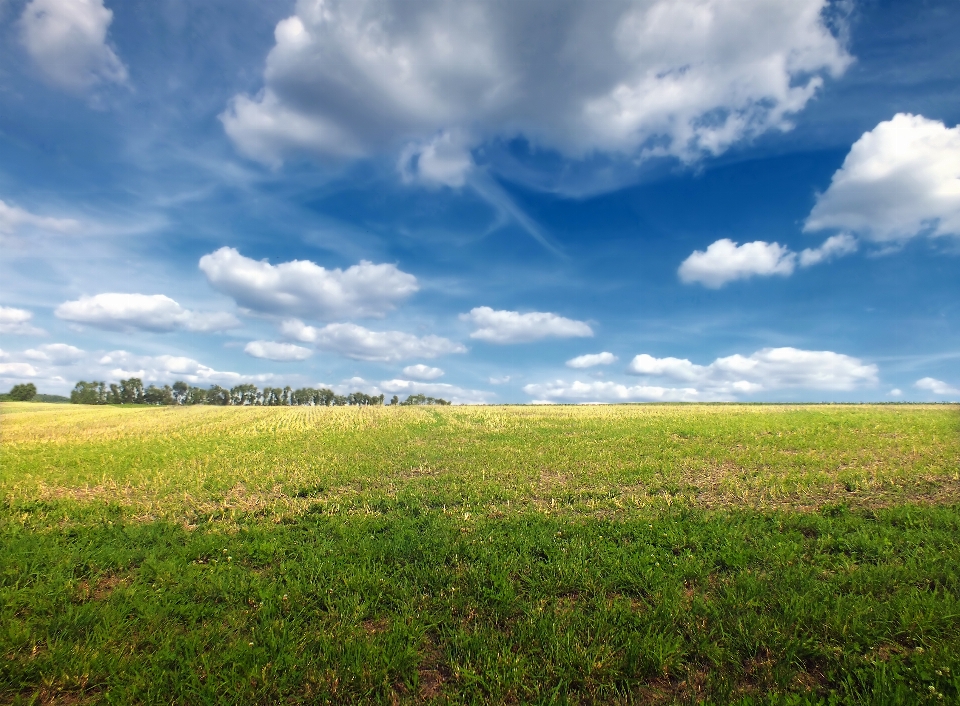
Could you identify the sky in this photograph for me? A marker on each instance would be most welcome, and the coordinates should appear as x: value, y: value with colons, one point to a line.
x: 553, y: 201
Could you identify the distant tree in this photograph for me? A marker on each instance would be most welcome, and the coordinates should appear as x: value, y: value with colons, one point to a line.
x: 196, y: 395
x: 394, y: 400
x: 217, y: 395
x: 180, y: 391
x: 421, y: 399
x: 131, y: 391
x: 24, y: 392
x: 114, y: 396
x: 245, y: 394
x: 158, y: 395
x: 89, y: 393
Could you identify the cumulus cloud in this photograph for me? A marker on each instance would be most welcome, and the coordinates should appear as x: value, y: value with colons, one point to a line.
x: 148, y: 312
x: 443, y: 161
x: 513, y: 327
x: 937, y: 387
x: 303, y: 288
x: 660, y: 77
x: 273, y: 350
x: 55, y: 354
x: 899, y: 180
x: 17, y: 322
x: 14, y: 218
x: 451, y: 393
x: 67, y: 40
x: 603, y: 391
x: 359, y: 343
x: 833, y: 247
x: 592, y: 359
x: 166, y: 368
x: 422, y: 372
x: 764, y: 370
x: 725, y: 261
x: 18, y: 370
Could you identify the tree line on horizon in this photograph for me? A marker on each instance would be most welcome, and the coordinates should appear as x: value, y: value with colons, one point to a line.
x: 132, y: 391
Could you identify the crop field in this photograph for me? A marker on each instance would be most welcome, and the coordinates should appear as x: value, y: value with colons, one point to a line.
x: 715, y: 554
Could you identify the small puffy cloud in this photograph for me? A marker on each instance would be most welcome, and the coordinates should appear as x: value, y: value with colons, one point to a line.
x: 14, y: 218
x: 303, y: 288
x: 422, y: 372
x: 937, y: 387
x: 895, y: 392
x: 833, y: 247
x: 672, y: 77
x: 67, y: 40
x: 272, y: 350
x: 513, y: 327
x: 725, y: 261
x: 500, y: 380
x: 149, y: 312
x: 603, y: 391
x: 55, y: 354
x: 359, y: 343
x: 764, y: 370
x: 592, y: 359
x: 17, y: 322
x: 443, y: 161
x: 899, y: 180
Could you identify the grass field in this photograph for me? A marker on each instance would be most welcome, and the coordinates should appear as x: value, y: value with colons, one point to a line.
x: 624, y: 554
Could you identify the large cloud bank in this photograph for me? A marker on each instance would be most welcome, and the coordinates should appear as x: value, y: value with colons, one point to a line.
x: 680, y: 380
x: 634, y: 77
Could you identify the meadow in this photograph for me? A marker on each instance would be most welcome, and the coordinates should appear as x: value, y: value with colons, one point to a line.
x: 709, y: 554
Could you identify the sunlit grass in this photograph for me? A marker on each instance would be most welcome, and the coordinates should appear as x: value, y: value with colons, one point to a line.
x: 650, y: 554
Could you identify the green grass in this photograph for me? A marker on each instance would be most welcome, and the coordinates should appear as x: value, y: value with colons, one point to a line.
x: 638, y: 554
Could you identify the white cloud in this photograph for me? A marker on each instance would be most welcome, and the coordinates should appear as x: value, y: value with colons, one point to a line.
x: 659, y: 77
x: 272, y: 350
x: 725, y: 261
x: 13, y: 218
x: 895, y: 392
x: 514, y: 327
x: 149, y: 312
x: 501, y: 380
x: 67, y: 40
x: 17, y: 322
x: 764, y: 370
x: 602, y: 391
x: 422, y: 372
x: 451, y: 393
x: 937, y: 387
x: 166, y: 368
x: 899, y: 180
x: 18, y: 370
x: 592, y: 359
x: 357, y: 342
x: 833, y: 247
x: 443, y: 161
x: 303, y: 288
x: 55, y: 354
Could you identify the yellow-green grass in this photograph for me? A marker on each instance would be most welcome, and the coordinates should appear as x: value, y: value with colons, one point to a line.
x: 621, y: 554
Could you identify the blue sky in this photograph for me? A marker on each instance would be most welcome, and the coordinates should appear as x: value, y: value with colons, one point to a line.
x: 658, y: 200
